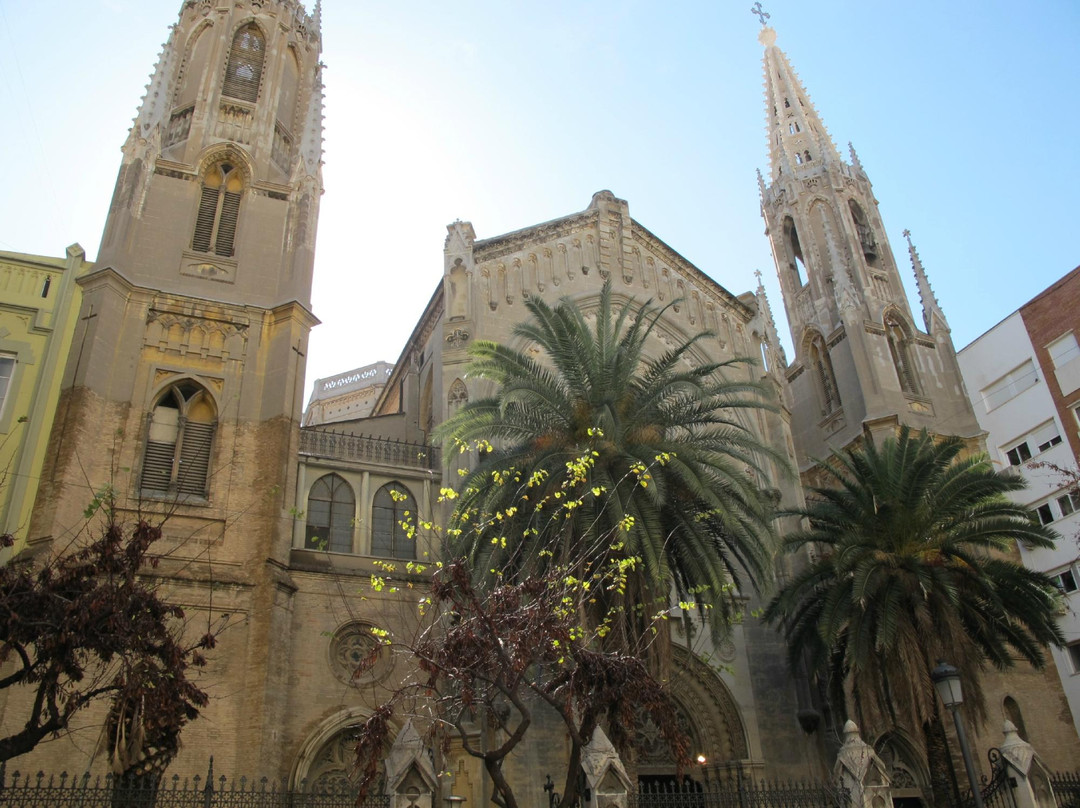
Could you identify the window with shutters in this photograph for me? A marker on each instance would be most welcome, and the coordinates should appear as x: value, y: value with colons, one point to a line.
x: 179, y: 442
x: 244, y: 71
x: 219, y: 209
x: 331, y: 509
x: 899, y: 348
x: 392, y: 511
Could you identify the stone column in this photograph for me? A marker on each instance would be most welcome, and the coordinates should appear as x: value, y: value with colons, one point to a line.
x: 862, y: 772
x: 607, y: 783
x: 1032, y: 789
x: 410, y: 774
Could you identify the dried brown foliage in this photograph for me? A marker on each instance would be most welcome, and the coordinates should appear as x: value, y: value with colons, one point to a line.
x: 83, y: 626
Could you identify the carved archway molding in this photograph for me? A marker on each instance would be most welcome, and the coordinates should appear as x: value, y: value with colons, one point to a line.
x: 707, y: 701
x: 322, y: 737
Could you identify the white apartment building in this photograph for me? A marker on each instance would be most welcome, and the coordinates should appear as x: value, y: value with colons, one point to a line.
x: 1011, y: 395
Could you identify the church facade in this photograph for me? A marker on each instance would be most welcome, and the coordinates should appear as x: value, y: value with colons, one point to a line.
x: 185, y: 406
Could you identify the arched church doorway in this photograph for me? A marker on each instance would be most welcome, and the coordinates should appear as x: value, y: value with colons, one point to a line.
x: 907, y: 771
x: 709, y: 716
x: 327, y: 763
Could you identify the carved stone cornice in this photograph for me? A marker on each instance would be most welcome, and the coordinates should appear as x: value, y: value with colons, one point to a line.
x: 518, y: 240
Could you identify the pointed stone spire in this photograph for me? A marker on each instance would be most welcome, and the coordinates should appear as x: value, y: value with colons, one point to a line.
x: 770, y: 324
x: 155, y: 104
x: 797, y: 135
x: 316, y: 19
x: 930, y: 306
x: 761, y: 185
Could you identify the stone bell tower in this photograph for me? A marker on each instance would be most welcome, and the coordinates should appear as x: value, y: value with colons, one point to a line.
x: 183, y: 392
x: 861, y: 364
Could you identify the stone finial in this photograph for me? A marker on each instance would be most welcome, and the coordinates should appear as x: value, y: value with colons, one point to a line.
x: 761, y: 185
x: 316, y: 18
x: 155, y: 103
x: 1018, y: 752
x: 311, y: 144
x: 767, y: 36
x: 604, y: 771
x: 409, y: 764
x: 859, y: 769
x: 932, y: 311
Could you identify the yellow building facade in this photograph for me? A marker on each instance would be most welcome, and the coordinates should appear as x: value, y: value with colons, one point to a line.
x: 39, y: 307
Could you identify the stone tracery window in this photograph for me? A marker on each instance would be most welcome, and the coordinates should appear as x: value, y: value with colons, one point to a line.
x: 331, y: 508
x: 244, y: 70
x: 179, y: 441
x: 899, y: 349
x: 393, y: 505
x: 824, y: 377
x: 219, y: 210
x: 795, y: 254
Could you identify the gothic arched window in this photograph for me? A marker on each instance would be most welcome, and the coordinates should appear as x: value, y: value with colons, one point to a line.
x: 457, y: 397
x: 393, y: 505
x: 244, y: 71
x: 866, y: 233
x: 179, y: 441
x: 219, y: 210
x: 897, y: 336
x: 331, y: 508
x: 795, y: 253
x: 824, y: 377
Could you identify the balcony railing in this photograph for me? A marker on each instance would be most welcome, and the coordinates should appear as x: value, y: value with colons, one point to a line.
x: 365, y: 448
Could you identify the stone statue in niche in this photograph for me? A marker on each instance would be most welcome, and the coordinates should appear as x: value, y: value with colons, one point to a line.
x: 459, y: 291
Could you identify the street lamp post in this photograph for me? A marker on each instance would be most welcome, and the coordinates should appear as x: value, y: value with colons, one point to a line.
x: 946, y: 681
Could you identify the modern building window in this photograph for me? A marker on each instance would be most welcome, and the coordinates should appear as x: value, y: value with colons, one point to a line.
x: 219, y: 210
x: 331, y: 508
x: 1037, y: 441
x: 244, y: 71
x: 179, y: 441
x: 392, y: 510
x: 1069, y: 503
x: 1074, y: 656
x: 7, y: 370
x: 1045, y: 513
x: 1010, y: 385
x: 1063, y: 350
x: 1065, y: 580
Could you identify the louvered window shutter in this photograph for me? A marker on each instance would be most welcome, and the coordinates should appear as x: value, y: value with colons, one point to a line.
x: 244, y: 71
x: 158, y: 466
x: 204, y: 222
x: 196, y: 441
x: 230, y: 210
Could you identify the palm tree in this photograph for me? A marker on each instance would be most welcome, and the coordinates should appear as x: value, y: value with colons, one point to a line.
x: 910, y: 544
x: 592, y: 452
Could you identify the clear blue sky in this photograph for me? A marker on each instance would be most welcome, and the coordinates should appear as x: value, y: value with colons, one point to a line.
x: 965, y: 115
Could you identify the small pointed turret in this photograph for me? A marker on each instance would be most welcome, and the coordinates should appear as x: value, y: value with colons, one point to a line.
x: 797, y: 134
x: 316, y: 18
x: 930, y: 306
x: 771, y: 337
x: 760, y: 185
x: 855, y: 162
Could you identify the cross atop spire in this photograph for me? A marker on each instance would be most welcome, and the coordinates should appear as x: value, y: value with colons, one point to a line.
x: 760, y: 12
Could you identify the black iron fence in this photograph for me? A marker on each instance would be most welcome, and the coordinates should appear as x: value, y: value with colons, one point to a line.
x: 87, y: 791
x: 742, y: 792
x: 1066, y: 787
